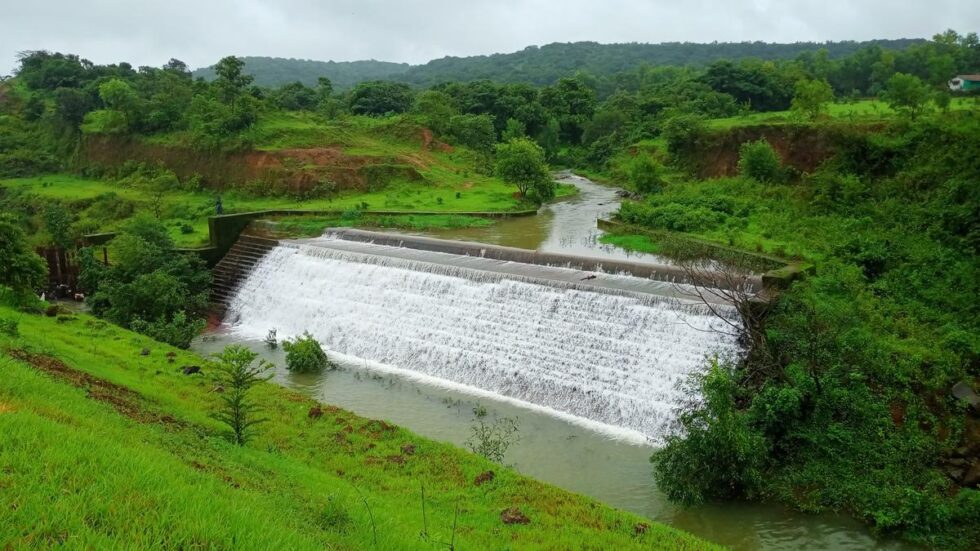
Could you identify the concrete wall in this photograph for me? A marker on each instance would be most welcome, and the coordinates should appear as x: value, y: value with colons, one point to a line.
x: 662, y: 272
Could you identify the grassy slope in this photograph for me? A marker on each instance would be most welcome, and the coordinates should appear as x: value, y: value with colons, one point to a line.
x: 145, y: 466
x: 391, y: 140
x: 857, y: 111
x: 193, y: 208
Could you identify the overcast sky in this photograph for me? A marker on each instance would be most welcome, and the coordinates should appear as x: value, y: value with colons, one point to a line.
x: 149, y: 32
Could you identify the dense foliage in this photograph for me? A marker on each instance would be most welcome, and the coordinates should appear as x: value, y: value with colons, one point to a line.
x: 540, y: 65
x: 853, y: 409
x: 272, y: 72
x: 22, y: 271
x: 149, y: 287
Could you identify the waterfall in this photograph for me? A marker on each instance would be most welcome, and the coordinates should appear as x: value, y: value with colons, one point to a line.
x: 608, y: 356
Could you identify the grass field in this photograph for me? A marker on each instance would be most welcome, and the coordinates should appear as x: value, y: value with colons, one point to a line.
x: 188, y: 208
x: 311, y: 226
x: 857, y: 111
x: 105, y: 447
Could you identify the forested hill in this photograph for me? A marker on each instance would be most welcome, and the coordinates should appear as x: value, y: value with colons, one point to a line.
x: 537, y: 65
x: 275, y: 71
x: 546, y: 64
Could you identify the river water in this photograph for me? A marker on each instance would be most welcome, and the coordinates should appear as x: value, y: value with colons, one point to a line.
x: 425, y: 347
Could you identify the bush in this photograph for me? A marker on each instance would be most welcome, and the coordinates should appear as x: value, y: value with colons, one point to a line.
x: 683, y: 133
x: 305, y: 355
x: 716, y: 455
x: 644, y: 174
x: 8, y: 327
x: 672, y: 216
x: 759, y: 161
x: 178, y: 330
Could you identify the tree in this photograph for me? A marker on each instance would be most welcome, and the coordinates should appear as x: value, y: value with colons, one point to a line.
x: 150, y: 287
x: 57, y: 220
x: 812, y: 97
x: 942, y: 99
x: 573, y: 104
x: 380, y: 97
x: 715, y: 454
x: 514, y: 129
x: 238, y: 373
x: 295, y: 96
x: 473, y: 131
x: 22, y: 270
x: 119, y: 95
x: 906, y: 94
x: 70, y: 106
x: 759, y: 161
x: 435, y: 109
x: 231, y: 83
x: 521, y: 162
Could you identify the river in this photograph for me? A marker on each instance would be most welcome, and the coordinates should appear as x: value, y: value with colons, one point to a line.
x: 572, y: 449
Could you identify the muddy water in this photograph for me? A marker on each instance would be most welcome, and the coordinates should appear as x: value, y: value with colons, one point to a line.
x: 567, y: 226
x: 560, y: 452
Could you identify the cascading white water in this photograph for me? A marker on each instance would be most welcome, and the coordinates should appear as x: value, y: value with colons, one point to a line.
x: 613, y: 358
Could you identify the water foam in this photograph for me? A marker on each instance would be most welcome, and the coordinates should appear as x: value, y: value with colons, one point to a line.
x: 607, y: 358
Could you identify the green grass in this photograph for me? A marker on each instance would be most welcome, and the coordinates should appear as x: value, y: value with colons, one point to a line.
x: 193, y: 208
x: 118, y: 449
x: 308, y: 226
x: 638, y: 243
x: 857, y: 111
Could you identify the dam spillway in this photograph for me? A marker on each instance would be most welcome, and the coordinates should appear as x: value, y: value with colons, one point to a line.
x: 610, y: 352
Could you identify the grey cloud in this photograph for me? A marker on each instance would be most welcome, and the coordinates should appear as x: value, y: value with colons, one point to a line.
x: 201, y: 31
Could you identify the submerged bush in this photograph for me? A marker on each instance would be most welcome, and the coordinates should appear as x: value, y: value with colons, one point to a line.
x: 492, y: 440
x: 305, y: 355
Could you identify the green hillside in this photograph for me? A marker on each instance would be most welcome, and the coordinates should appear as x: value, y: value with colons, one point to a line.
x: 106, y: 446
x: 539, y: 65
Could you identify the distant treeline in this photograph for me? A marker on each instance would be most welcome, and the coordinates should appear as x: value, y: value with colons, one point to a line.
x: 276, y: 71
x: 539, y: 65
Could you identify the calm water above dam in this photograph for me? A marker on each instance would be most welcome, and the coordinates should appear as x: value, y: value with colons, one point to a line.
x: 567, y: 226
x: 592, y: 374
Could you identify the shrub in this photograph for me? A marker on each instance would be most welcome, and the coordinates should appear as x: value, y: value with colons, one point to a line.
x: 683, y: 133
x: 178, y: 330
x: 759, y: 161
x: 305, y: 355
x: 672, y: 216
x: 716, y: 454
x: 645, y: 175
x: 8, y: 327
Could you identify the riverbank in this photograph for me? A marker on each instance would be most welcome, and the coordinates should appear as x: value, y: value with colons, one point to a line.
x: 99, y: 429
